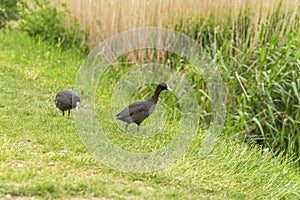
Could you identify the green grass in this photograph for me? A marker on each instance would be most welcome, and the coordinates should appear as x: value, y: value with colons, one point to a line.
x: 259, y: 64
x: 43, y: 156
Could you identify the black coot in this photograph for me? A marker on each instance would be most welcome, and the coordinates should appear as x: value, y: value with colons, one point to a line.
x: 139, y: 111
x: 66, y: 100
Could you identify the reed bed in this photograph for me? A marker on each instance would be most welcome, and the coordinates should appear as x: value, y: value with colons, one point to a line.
x: 107, y: 17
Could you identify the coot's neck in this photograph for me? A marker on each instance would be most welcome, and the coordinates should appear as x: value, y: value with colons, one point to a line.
x: 156, y: 94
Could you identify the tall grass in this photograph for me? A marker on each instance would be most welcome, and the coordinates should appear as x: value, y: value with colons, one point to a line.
x: 259, y: 62
x: 106, y: 18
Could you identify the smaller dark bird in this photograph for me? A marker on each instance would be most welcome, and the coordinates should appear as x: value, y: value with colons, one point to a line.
x: 137, y: 112
x: 66, y: 100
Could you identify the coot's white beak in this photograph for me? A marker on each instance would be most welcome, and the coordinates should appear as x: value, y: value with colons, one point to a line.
x: 77, y: 106
x: 168, y: 88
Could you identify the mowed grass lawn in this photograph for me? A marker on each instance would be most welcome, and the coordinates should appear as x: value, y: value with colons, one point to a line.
x: 42, y: 155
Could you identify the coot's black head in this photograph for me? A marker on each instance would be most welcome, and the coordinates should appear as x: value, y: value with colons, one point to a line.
x: 75, y: 101
x: 164, y: 86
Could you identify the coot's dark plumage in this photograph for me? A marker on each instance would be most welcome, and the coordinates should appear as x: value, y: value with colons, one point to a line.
x: 139, y: 111
x: 66, y: 100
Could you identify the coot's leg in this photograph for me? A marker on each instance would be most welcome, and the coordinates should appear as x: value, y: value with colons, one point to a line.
x: 126, y: 127
x: 63, y: 112
x: 68, y: 113
x: 138, y: 126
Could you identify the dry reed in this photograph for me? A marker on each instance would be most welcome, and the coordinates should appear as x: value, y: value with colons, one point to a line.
x: 105, y: 18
